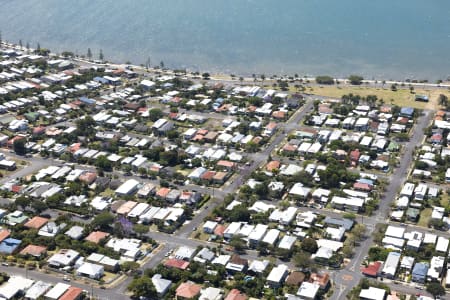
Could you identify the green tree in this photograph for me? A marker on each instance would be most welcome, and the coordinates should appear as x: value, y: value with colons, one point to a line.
x: 355, y: 79
x: 19, y: 146
x: 140, y: 229
x: 103, y: 220
x: 309, y: 245
x: 435, y: 289
x: 23, y: 202
x: 443, y: 100
x: 39, y: 206
x: 143, y: 287
x: 155, y: 114
x: 129, y: 266
x: 347, y: 251
x: 103, y: 163
x: 237, y: 243
x: 325, y: 79
x: 85, y: 126
x: 239, y: 213
x: 359, y: 231
x: 302, y: 260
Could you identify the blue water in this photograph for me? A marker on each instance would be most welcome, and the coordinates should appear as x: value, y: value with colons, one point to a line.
x: 390, y: 39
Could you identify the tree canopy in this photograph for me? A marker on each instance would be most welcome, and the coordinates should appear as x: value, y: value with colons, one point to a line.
x: 143, y: 287
x: 355, y: 79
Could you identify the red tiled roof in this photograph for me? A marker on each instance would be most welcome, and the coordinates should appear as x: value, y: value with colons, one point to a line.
x: 226, y: 164
x: 273, y: 165
x: 236, y: 294
x: 4, y: 233
x: 176, y: 263
x: 372, y: 269
x: 72, y: 293
x: 16, y: 188
x: 355, y: 154
x: 362, y: 186
x: 208, y: 175
x: 33, y: 250
x: 188, y: 290
x: 88, y: 177
x: 36, y: 222
x: 219, y: 230
x: 163, y: 192
x: 96, y: 236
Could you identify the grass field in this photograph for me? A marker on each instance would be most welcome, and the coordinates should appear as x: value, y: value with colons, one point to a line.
x: 444, y: 199
x: 401, y: 97
x: 425, y: 216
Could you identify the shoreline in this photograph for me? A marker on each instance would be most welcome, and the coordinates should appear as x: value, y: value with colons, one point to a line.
x: 222, y: 76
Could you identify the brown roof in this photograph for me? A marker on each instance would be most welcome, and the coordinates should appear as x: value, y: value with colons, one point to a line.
x: 257, y: 140
x: 208, y: 175
x: 163, y: 192
x: 116, y: 204
x: 96, y: 236
x: 74, y: 147
x: 290, y: 148
x: 197, y: 137
x: 273, y: 165
x: 295, y: 278
x: 271, y: 126
x: 219, y: 230
x: 236, y: 294
x: 4, y: 233
x: 236, y: 259
x: 202, y: 131
x: 385, y: 109
x: 33, y: 250
x: 226, y: 164
x: 220, y: 176
x: 126, y: 207
x: 88, y: 177
x: 36, y: 222
x: 440, y: 113
x: 131, y: 106
x: 325, y: 109
x: 72, y: 293
x: 211, y: 135
x: 279, y: 114
x: 188, y: 290
x: 321, y: 279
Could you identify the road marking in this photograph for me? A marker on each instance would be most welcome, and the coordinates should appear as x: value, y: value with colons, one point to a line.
x: 347, y: 277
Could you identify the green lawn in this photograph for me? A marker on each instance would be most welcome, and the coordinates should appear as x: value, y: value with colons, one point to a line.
x: 425, y: 217
x: 401, y: 97
x: 444, y: 199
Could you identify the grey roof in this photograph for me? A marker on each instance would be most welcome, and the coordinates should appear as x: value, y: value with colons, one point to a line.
x: 207, y: 254
x: 420, y: 269
x: 346, y: 223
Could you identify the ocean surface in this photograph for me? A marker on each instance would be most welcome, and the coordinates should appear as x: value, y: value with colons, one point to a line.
x: 389, y: 39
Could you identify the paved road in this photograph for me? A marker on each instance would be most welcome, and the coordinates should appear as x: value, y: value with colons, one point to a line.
x: 346, y: 279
